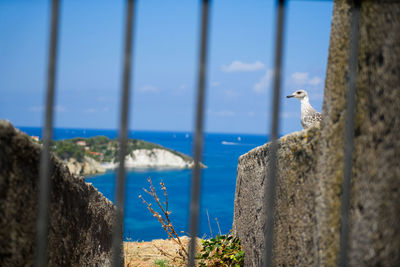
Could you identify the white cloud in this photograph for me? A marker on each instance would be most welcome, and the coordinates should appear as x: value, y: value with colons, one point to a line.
x: 90, y: 110
x: 287, y: 115
x: 181, y: 89
x: 315, y: 81
x: 101, y: 99
x: 57, y: 108
x: 299, y: 78
x: 222, y: 113
x: 251, y: 113
x: 149, y: 89
x: 317, y: 96
x: 265, y: 81
x: 36, y: 108
x: 230, y: 93
x: 303, y: 78
x: 215, y: 84
x: 239, y: 66
x: 225, y: 113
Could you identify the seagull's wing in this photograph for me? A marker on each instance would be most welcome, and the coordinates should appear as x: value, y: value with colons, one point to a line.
x: 311, y: 119
x: 317, y: 116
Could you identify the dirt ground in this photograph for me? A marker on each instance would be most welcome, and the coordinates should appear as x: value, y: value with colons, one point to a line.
x: 146, y: 254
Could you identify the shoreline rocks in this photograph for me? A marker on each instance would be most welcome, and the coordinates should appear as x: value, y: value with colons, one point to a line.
x: 152, y: 159
x: 97, y: 154
x: 139, y: 159
x: 87, y: 167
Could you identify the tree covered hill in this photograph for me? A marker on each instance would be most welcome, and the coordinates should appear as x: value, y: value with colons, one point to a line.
x: 102, y: 148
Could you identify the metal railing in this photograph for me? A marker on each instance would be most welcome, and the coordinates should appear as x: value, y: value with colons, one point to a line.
x: 270, y: 188
x: 349, y: 136
x: 117, y: 239
x: 42, y: 224
x: 198, y: 138
x: 45, y: 166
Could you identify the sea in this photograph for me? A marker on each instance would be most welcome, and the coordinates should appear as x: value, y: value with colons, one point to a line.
x: 221, y: 153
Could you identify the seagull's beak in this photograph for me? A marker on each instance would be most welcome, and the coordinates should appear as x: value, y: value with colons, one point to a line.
x: 289, y: 96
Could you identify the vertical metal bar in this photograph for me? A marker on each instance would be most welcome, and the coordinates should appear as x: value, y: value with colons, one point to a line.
x: 198, y: 141
x: 349, y: 136
x: 271, y: 182
x: 117, y: 240
x: 42, y: 223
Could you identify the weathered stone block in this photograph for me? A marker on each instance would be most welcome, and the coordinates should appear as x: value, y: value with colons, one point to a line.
x: 316, y: 176
x: 81, y: 217
x: 375, y: 196
x: 295, y: 214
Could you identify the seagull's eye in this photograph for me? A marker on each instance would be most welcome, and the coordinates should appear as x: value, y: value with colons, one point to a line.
x: 298, y: 93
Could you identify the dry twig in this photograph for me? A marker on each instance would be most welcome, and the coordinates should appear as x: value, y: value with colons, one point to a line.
x: 164, y: 220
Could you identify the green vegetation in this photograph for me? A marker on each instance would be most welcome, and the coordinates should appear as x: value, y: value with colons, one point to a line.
x: 67, y: 149
x: 162, y: 263
x: 223, y: 250
x: 101, y: 148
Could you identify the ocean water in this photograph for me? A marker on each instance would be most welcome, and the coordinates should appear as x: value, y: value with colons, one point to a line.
x: 221, y: 153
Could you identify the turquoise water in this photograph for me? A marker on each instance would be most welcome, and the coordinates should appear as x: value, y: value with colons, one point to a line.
x: 221, y: 153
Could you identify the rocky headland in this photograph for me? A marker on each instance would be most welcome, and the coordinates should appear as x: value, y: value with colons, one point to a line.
x: 86, y: 156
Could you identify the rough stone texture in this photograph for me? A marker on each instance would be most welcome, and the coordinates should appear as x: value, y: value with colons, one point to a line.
x: 295, y: 200
x: 330, y: 165
x: 81, y: 217
x: 375, y: 231
x: 375, y: 209
x: 375, y: 196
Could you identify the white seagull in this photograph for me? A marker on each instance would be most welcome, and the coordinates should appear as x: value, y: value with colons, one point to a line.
x: 309, y: 116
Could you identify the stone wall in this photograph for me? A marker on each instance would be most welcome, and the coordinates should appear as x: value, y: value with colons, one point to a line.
x: 295, y: 205
x: 81, y: 217
x: 375, y: 196
x: 375, y: 209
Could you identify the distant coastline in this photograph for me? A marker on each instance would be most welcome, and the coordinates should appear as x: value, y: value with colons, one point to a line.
x: 218, y: 179
x: 94, y: 155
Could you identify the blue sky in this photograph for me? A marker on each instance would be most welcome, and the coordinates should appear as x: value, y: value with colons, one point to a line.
x: 165, y: 57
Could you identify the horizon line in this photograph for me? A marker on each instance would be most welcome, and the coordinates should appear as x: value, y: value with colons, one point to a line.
x: 148, y: 130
